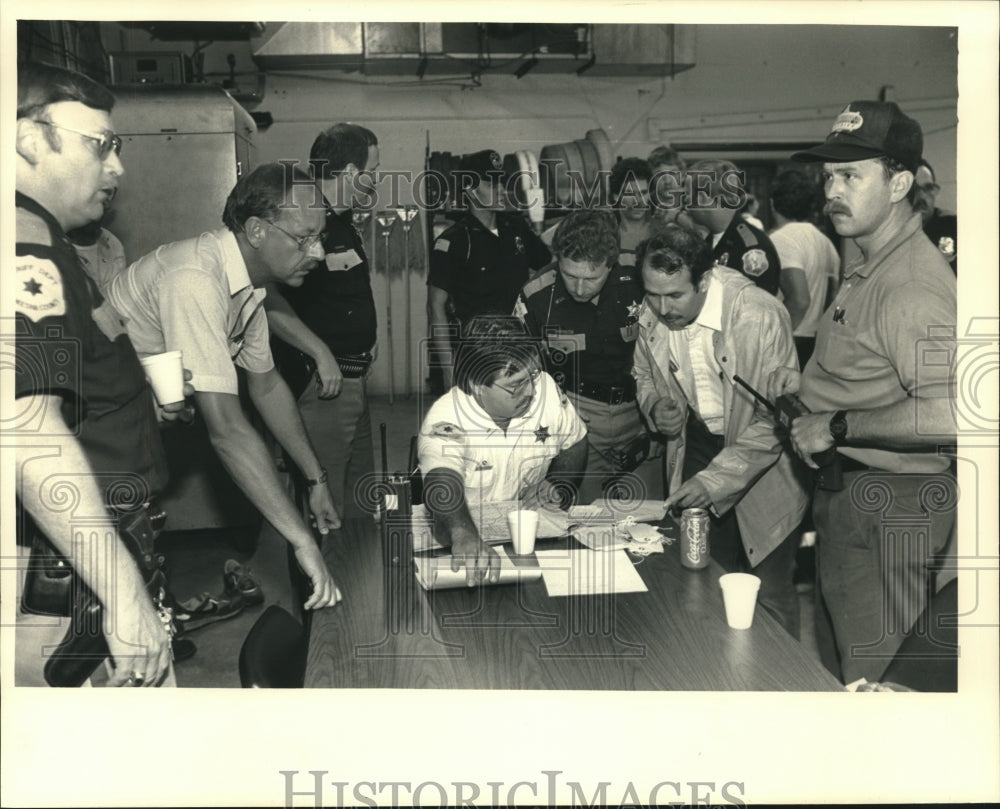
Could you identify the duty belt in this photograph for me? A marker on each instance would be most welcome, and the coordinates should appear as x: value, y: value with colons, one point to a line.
x: 608, y: 394
x: 353, y: 366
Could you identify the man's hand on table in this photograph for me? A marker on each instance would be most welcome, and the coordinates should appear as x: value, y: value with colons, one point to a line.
x: 480, y: 560
x: 325, y: 592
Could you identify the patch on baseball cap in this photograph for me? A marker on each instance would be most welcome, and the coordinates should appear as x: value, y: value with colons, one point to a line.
x: 486, y: 164
x: 867, y: 129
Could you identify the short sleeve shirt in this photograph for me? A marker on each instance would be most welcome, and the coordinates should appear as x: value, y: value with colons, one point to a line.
x: 586, y: 342
x: 890, y: 334
x: 495, y: 464
x: 195, y: 296
x: 803, y: 245
x: 483, y: 272
x: 71, y: 344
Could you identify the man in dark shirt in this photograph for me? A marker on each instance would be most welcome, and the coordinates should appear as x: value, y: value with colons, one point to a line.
x: 327, y: 326
x: 735, y: 242
x: 585, y: 309
x: 85, y: 422
x: 480, y: 263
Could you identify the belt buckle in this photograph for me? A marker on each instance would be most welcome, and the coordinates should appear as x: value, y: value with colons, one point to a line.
x: 617, y: 395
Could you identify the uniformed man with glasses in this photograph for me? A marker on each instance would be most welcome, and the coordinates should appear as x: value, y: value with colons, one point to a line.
x: 84, y: 428
x: 204, y: 296
x: 504, y: 432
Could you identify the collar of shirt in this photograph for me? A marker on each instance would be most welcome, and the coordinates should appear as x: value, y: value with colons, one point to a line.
x: 236, y: 269
x: 710, y: 315
x: 863, y: 267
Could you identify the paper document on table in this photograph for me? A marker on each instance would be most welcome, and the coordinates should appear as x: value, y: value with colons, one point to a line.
x: 607, y: 537
x: 490, y: 520
x: 578, y: 572
x: 615, y: 510
x: 435, y: 573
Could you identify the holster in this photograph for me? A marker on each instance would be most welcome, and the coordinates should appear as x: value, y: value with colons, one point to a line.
x: 53, y: 588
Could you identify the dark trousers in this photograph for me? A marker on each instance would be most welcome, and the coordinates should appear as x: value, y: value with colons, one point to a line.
x: 777, y: 589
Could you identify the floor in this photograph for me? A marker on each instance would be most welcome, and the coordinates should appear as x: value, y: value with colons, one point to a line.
x: 197, y: 558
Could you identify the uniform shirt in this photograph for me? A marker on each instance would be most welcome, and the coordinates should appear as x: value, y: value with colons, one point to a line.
x: 195, y: 295
x: 335, y: 301
x: 483, y: 272
x: 586, y: 342
x: 889, y: 335
x: 942, y: 230
x: 458, y: 434
x: 803, y: 245
x: 103, y: 260
x: 748, y: 250
x: 70, y: 343
x: 692, y: 353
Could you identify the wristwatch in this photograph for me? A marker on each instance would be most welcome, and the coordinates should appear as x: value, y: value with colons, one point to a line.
x: 838, y: 427
x: 310, y: 482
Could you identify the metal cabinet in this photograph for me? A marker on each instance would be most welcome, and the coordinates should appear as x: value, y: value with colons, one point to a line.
x: 183, y: 147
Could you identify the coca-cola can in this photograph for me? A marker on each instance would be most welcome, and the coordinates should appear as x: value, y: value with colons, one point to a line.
x: 694, y: 538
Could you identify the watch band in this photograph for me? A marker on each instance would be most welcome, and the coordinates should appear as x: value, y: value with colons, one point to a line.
x: 310, y: 482
x: 838, y: 427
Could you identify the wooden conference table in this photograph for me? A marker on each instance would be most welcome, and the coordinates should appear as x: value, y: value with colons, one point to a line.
x: 390, y: 633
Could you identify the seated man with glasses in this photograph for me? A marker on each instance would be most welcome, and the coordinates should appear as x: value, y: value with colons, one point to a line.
x: 203, y: 296
x: 504, y: 432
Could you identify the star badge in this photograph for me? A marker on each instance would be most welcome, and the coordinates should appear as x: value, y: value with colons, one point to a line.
x: 33, y: 287
x: 633, y: 309
x: 541, y: 434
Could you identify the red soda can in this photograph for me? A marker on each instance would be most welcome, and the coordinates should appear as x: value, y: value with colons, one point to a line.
x: 694, y: 538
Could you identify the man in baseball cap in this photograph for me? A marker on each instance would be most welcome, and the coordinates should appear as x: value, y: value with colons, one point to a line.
x: 868, y: 129
x: 874, y: 391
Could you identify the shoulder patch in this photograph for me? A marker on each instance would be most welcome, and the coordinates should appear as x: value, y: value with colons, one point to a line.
x: 39, y: 289
x: 32, y: 229
x: 746, y: 234
x: 755, y: 262
x: 545, y: 279
x: 448, y: 431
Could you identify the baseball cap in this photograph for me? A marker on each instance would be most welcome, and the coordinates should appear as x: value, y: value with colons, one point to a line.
x: 486, y: 163
x: 867, y: 129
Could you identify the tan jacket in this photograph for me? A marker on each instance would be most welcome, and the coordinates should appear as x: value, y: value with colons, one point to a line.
x: 755, y: 472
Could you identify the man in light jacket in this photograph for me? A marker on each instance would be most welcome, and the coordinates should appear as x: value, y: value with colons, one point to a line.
x: 701, y: 325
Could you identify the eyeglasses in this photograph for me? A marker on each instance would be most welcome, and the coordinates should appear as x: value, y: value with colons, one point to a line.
x: 520, y: 387
x: 304, y: 243
x: 106, y: 143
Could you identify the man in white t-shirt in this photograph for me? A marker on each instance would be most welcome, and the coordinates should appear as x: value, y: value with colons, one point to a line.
x: 505, y: 431
x: 809, y: 261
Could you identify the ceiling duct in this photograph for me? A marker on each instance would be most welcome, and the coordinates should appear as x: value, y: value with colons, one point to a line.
x: 454, y: 48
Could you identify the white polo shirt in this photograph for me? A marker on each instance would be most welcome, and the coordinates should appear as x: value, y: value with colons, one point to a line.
x: 458, y: 434
x: 196, y: 296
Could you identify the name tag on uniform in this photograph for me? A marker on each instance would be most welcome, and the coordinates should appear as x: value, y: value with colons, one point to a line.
x: 345, y: 260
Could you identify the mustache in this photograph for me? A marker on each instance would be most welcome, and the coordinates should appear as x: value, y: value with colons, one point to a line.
x: 835, y: 207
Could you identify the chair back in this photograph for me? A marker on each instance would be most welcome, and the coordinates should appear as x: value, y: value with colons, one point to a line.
x: 273, y: 654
